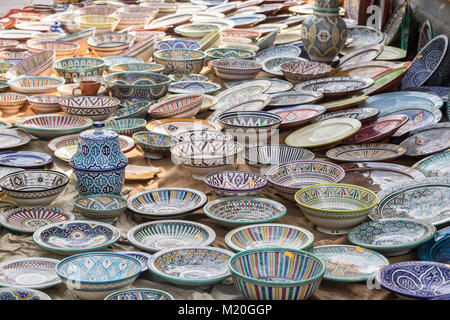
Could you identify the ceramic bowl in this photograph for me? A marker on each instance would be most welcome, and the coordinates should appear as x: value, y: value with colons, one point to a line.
x: 269, y: 235
x: 14, y: 56
x: 168, y: 234
x: 8, y: 44
x: 143, y: 49
x: 276, y: 274
x: 177, y: 44
x: 80, y: 38
x: 146, y: 85
x: 62, y: 49
x: 184, y: 87
x: 77, y: 67
x: 225, y: 53
x: 150, y: 12
x: 12, y: 102
x: 94, y: 276
x: 184, y: 106
x: 94, y: 107
x: 44, y: 103
x: 35, y: 84
x: 100, y: 23
x: 30, y: 219
x: 336, y: 208
x: 203, y: 135
x: 140, y: 294
x: 137, y: 66
x: 100, y: 206
x: 101, y: 10
x: 415, y: 279
x: 238, y: 211
x: 188, y: 77
x: 53, y: 125
x: 143, y: 258
x: 126, y: 126
x: 267, y: 155
x: 240, y: 33
x: 154, y: 145
x: 67, y: 20
x: 289, y: 177
x: 191, y: 266
x: 114, y: 60
x: 34, y: 187
x: 196, y: 30
x: 272, y: 65
x: 166, y: 202
x: 392, y: 237
x: 133, y: 110
x: 180, y: 60
x: 232, y: 183
x: 39, y: 64
x: 76, y: 236
x: 249, y: 123
x: 110, y: 43
x: 132, y: 19
x: 298, y: 71
x: 201, y: 157
x: 22, y: 294
x: 235, y: 69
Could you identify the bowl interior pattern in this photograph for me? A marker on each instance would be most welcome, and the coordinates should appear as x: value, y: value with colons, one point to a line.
x: 236, y: 180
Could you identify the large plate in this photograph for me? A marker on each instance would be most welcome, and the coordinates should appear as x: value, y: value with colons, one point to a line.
x: 435, y: 165
x: 174, y: 127
x: 25, y: 159
x: 12, y: 138
x: 241, y: 92
x: 361, y: 55
x: 428, y: 140
x: 335, y: 86
x: 366, y: 152
x: 291, y: 98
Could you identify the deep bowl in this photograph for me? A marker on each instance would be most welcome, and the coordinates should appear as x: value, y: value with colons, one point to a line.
x: 126, y: 126
x: 154, y: 145
x: 134, y: 110
x: 137, y: 66
x: 336, y: 208
x: 101, y: 23
x: 168, y: 44
x: 223, y: 53
x: 44, y: 103
x: 22, y: 294
x: 100, y: 206
x: 266, y: 156
x: 168, y: 234
x: 110, y: 43
x: 182, y: 106
x: 34, y: 187
x: 235, y: 69
x: 39, y: 64
x: 94, y: 107
x: 231, y: 183
x: 62, y: 48
x: 180, y: 60
x: 35, y: 84
x: 249, y: 123
x: 276, y: 274
x: 289, y: 177
x: 95, y: 275
x: 298, y: 71
x: 77, y: 67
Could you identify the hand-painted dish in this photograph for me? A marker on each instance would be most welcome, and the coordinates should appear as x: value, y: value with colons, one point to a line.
x: 366, y: 152
x: 388, y: 80
x: 434, y: 165
x: 273, y: 65
x: 231, y: 183
x: 126, y: 143
x: 278, y: 51
x: 13, y: 138
x: 235, y: 69
x: 35, y: 84
x: 298, y: 71
x: 436, y: 249
x: 265, y: 156
x: 140, y: 294
x: 143, y: 258
x: 240, y: 93
x: 184, y: 87
x: 94, y: 107
x: 154, y: 145
x: 269, y: 235
x: 291, y: 98
x: 276, y: 85
x: 44, y: 103
x: 363, y: 69
x: 344, y: 103
x: 392, y: 237
x: 298, y: 115
x: 363, y: 36
x: 100, y: 206
x: 416, y: 279
x: 188, y: 77
x: 362, y: 114
x: 176, y: 126
x: 25, y: 159
x: 133, y: 110
x: 380, y: 129
x: 428, y: 140
x: 346, y: 263
x: 177, y: 44
x: 161, y: 235
x: 203, y: 135
x: 323, y: 134
x: 22, y: 294
x: 424, y: 200
x: 335, y: 86
x: 392, y: 54
x: 184, y: 106
x: 361, y: 56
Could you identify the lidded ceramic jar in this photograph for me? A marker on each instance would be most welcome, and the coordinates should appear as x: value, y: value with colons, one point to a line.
x: 324, y: 33
x: 99, y: 164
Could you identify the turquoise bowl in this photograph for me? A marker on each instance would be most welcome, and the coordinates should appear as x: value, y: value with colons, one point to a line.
x: 392, y: 237
x: 269, y: 235
x: 154, y: 145
x: 180, y: 60
x: 137, y: 66
x: 140, y: 294
x: 191, y: 266
x: 100, y: 206
x: 167, y: 234
x: 222, y: 53
x: 22, y: 294
x: 76, y: 67
x: 134, y: 110
x: 95, y: 275
x: 126, y: 126
x: 276, y: 274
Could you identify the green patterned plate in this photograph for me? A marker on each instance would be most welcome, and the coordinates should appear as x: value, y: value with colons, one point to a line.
x: 434, y: 165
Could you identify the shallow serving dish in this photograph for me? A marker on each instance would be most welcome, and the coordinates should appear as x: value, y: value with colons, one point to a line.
x: 22, y: 294
x: 154, y: 145
x: 266, y: 156
x: 184, y: 106
x: 126, y: 126
x: 76, y: 67
x: 140, y: 294
x: 100, y: 206
x: 44, y: 103
x: 231, y: 183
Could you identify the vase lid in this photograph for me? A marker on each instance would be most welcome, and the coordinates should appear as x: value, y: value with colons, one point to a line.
x: 99, y: 133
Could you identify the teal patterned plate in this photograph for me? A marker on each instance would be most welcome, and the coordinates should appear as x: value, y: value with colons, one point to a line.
x: 435, y: 165
x: 349, y: 263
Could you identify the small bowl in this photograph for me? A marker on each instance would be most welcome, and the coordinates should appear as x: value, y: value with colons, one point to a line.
x: 272, y: 65
x: 140, y: 294
x: 289, y: 177
x: 266, y: 156
x: 238, y: 211
x: 154, y: 145
x: 34, y: 187
x: 235, y: 69
x: 35, y: 84
x: 285, y: 275
x: 77, y: 67
x: 93, y: 107
x: 137, y: 66
x: 391, y: 237
x: 94, y: 276
x: 100, y: 206
x: 44, y: 103
x: 126, y: 126
x: 76, y: 236
x: 100, y: 23
x: 203, y: 135
x: 180, y: 60
x: 22, y: 294
x: 185, y: 87
x: 269, y: 235
x: 62, y: 49
x: 39, y: 64
x: 184, y: 106
x: 168, y: 234
x: 336, y: 208
x: 134, y: 110
x: 224, y: 53
x: 236, y: 183
x: 298, y: 71
x: 415, y: 279
x: 191, y: 266
x: 11, y: 102
x: 166, y: 202
x: 110, y: 43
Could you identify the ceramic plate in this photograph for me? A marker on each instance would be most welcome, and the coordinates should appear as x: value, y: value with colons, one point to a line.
x: 335, y: 86
x: 16, y: 35
x: 388, y: 79
x: 276, y: 85
x: 362, y: 55
x: 349, y: 263
x: 362, y: 114
x: 5, y: 124
x: 250, y: 20
x: 363, y: 36
x: 287, y: 37
x: 194, y: 86
x: 298, y: 115
x: 250, y: 104
x: 324, y: 133
x: 364, y: 69
x: 25, y: 159
x: 392, y: 54
x: 428, y: 140
x: 392, y: 26
x: 441, y: 92
x: 377, y: 176
x: 31, y: 273
x: 174, y: 127
x: 430, y: 251
x: 293, y: 98
x: 344, y: 103
x: 13, y: 138
x: 278, y: 51
x: 366, y: 152
x: 434, y: 165
x: 272, y: 65
x: 7, y: 170
x: 240, y: 93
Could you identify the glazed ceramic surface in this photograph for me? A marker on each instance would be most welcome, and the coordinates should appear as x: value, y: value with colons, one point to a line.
x: 335, y: 86
x: 362, y: 114
x: 184, y: 106
x: 203, y: 135
x: 126, y: 126
x: 298, y: 71
x: 177, y: 126
x: 70, y: 142
x: 177, y: 44
x: 236, y: 183
x: 140, y: 294
x: 363, y: 36
x: 392, y: 54
x: 366, y: 152
x: 346, y: 263
x: 343, y: 103
x: 168, y: 234
x: 180, y: 60
x: 434, y: 165
x: 248, y: 122
x: 71, y: 68
x: 194, y: 87
x: 298, y: 115
x: 235, y: 69
x: 278, y: 51
x: 276, y: 85
x: 188, y: 77
x: 437, y: 248
x: 428, y: 140
x: 94, y: 107
x: 25, y: 159
x: 265, y: 156
x: 137, y: 66
x: 114, y: 60
x: 44, y: 103
x: 272, y: 65
x: 100, y: 206
x: 240, y: 93
x: 134, y: 110
x: 221, y: 53
x: 143, y: 258
x: 291, y: 98
x: 22, y: 294
x: 35, y: 84
x: 39, y: 64
x: 362, y: 56
x: 71, y: 237
x: 13, y: 138
x: 154, y: 145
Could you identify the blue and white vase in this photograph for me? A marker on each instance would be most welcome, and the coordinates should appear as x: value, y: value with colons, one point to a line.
x: 99, y: 164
